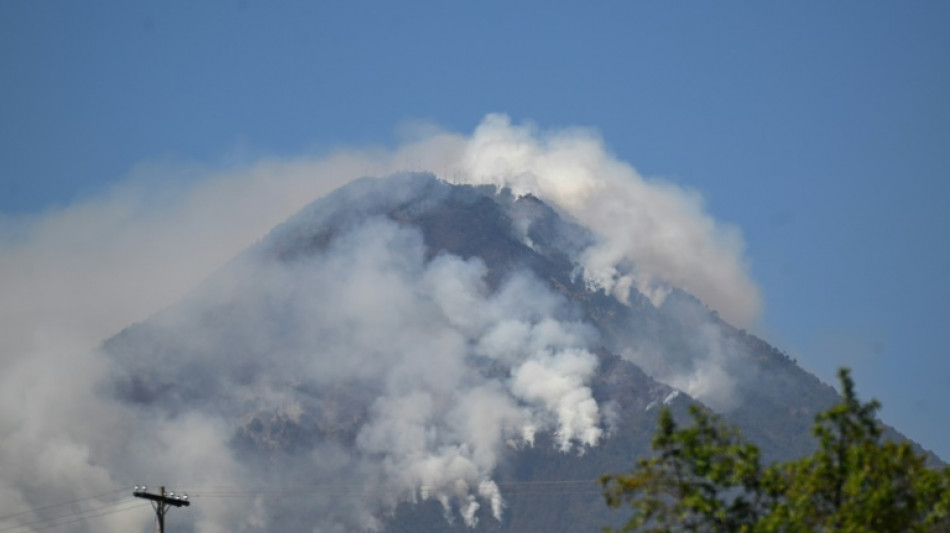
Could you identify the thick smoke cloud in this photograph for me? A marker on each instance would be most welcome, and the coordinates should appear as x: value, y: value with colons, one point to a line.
x: 74, y: 276
x: 422, y: 341
x: 658, y: 226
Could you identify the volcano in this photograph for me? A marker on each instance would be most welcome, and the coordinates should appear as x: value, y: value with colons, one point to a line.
x: 407, y: 354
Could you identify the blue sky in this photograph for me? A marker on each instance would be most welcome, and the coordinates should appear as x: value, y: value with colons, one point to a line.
x: 821, y: 129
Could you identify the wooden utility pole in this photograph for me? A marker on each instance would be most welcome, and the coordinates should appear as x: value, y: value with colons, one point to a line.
x: 161, y: 502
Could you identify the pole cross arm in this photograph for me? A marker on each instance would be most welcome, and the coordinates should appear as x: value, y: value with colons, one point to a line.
x: 169, y: 500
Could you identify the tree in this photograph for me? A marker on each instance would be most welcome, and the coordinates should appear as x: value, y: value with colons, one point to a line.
x: 706, y: 478
x: 702, y: 478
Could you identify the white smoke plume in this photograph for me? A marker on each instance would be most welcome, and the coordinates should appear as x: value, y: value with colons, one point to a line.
x: 74, y: 276
x: 712, y: 377
x: 371, y: 313
x: 658, y: 226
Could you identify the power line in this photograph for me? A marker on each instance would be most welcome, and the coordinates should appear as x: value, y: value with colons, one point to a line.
x: 234, y: 490
x: 85, y: 514
x: 87, y: 517
x: 508, y: 489
x: 54, y: 505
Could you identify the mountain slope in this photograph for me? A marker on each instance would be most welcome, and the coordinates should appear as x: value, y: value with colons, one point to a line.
x: 413, y: 355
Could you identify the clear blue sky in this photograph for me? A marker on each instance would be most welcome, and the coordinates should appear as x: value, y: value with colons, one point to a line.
x: 822, y: 129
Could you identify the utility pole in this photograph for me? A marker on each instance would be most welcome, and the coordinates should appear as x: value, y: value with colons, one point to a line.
x: 161, y: 502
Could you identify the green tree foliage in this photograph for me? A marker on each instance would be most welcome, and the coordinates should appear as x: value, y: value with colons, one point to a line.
x: 706, y: 478
x: 702, y: 478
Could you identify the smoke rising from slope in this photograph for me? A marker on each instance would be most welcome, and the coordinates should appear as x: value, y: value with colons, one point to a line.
x: 371, y: 314
x: 73, y: 277
x: 660, y: 227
